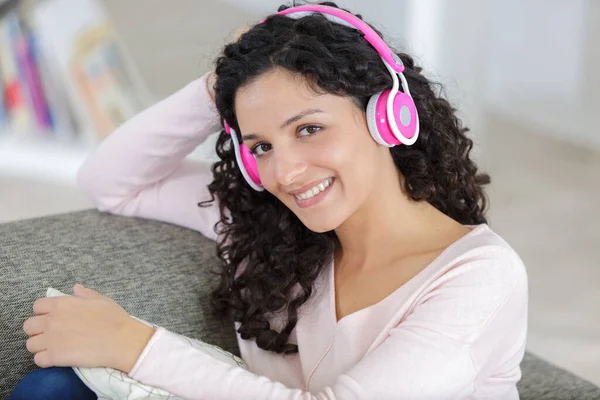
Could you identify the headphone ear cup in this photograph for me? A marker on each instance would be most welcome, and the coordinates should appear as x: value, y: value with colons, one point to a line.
x: 249, y: 163
x: 245, y: 160
x: 405, y: 118
x: 377, y: 120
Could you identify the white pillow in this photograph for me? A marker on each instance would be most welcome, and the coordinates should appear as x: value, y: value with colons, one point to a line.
x: 111, y: 384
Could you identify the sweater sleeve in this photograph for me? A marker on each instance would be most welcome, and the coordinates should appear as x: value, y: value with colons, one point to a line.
x: 428, y: 355
x: 141, y: 169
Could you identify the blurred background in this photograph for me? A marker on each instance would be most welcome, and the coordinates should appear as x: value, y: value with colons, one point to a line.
x: 523, y: 75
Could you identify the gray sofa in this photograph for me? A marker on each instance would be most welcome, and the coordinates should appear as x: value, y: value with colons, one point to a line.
x: 157, y: 272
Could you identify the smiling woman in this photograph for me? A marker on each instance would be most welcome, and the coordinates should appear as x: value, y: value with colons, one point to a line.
x: 355, y: 257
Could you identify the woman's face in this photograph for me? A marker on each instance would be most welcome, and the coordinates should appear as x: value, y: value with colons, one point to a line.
x: 313, y: 151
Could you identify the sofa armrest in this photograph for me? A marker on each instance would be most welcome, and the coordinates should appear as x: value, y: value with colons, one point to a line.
x: 156, y: 271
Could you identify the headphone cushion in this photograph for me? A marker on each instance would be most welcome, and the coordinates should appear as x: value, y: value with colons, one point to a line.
x: 377, y: 120
x: 250, y: 164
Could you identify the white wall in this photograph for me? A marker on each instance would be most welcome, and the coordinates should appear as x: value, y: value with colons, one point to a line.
x: 386, y: 15
x: 591, y: 68
x: 449, y: 38
x: 541, y: 65
x: 536, y: 50
x: 181, y: 44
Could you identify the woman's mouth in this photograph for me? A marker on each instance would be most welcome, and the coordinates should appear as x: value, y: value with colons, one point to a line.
x: 315, y: 194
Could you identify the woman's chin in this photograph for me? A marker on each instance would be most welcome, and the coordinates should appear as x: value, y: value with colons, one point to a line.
x: 320, y: 225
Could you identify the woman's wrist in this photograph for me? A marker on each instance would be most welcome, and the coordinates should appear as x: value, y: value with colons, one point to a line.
x: 131, y: 343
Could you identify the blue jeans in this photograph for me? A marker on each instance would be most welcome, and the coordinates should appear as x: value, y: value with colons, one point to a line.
x: 52, y: 383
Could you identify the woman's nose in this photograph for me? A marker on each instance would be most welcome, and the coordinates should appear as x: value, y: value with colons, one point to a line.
x: 288, y: 166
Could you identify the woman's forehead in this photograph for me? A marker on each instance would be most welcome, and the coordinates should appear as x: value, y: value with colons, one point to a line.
x: 279, y: 95
x: 275, y: 87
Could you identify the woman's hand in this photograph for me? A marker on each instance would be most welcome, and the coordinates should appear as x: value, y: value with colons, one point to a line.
x: 212, y: 77
x: 85, y: 330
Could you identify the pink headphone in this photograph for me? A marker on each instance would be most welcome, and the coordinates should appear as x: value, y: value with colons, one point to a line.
x: 391, y: 115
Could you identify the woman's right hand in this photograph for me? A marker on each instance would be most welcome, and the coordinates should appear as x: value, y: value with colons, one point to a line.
x: 211, y: 78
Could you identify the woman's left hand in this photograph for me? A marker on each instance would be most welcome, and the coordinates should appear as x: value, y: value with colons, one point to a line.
x: 84, y: 330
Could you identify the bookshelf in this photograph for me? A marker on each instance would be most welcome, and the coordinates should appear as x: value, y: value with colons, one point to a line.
x: 85, y: 77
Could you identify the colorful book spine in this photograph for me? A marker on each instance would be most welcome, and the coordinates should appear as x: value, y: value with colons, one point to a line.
x: 46, y: 117
x: 22, y: 42
x: 3, y: 113
x: 21, y: 119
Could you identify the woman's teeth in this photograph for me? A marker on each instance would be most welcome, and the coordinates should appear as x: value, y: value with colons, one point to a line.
x: 315, y: 190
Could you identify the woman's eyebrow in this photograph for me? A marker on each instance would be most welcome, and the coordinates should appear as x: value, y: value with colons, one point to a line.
x: 300, y: 115
x: 250, y: 136
x: 289, y: 121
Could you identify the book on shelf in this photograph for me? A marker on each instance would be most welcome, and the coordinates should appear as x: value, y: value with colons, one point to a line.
x: 64, y: 73
x: 3, y: 116
x: 17, y: 111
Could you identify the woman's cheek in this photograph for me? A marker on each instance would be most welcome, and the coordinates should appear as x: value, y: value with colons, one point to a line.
x: 331, y: 156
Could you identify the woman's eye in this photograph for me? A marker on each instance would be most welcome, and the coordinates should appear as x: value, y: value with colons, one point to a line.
x: 260, y: 149
x: 310, y: 130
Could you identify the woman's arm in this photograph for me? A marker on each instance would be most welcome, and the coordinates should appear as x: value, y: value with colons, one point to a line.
x: 436, y: 352
x: 140, y: 169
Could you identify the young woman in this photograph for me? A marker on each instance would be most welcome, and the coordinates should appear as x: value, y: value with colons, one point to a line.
x: 356, y: 261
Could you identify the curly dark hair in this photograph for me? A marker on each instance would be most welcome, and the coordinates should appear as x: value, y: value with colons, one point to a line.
x: 281, y: 257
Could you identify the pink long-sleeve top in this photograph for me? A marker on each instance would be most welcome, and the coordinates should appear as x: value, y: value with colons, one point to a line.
x: 456, y: 330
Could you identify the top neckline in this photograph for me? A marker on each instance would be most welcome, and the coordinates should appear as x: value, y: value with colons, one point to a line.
x: 474, y: 230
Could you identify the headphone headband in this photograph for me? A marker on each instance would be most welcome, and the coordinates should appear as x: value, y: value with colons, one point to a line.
x: 347, y: 19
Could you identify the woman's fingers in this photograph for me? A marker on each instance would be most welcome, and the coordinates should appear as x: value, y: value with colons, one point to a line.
x: 42, y: 359
x: 34, y: 325
x: 36, y: 344
x: 45, y: 305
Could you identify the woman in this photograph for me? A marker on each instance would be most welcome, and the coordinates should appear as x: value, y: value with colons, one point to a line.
x: 356, y: 260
